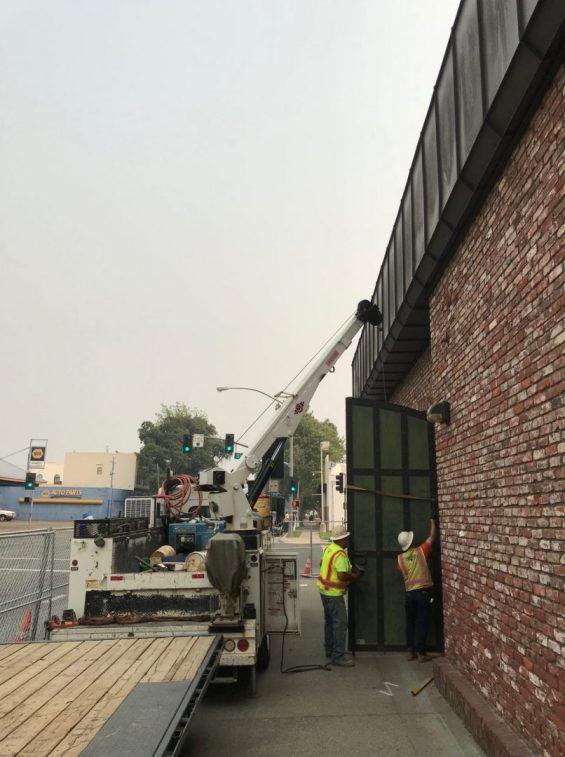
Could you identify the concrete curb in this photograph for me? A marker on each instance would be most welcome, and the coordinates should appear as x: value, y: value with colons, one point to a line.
x: 491, y: 732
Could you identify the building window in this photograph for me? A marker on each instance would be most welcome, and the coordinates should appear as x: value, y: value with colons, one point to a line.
x: 98, y: 470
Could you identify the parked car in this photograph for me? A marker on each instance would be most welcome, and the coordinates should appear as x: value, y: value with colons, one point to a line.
x: 7, y: 515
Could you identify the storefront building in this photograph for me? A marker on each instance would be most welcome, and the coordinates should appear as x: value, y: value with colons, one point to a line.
x: 472, y: 295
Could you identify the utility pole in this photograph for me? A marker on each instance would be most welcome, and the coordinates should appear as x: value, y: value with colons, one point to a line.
x: 27, y: 469
x: 324, y: 447
x: 111, y: 499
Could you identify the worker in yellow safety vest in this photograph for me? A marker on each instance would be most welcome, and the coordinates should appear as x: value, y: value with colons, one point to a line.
x: 418, y: 584
x: 336, y: 573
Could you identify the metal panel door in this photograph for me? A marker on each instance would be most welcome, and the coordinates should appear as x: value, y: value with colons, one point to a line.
x: 391, y: 487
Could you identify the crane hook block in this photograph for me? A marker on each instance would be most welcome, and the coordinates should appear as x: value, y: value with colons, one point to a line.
x: 368, y: 312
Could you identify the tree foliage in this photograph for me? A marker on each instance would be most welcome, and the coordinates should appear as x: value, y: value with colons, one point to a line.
x: 307, y: 438
x: 161, y: 441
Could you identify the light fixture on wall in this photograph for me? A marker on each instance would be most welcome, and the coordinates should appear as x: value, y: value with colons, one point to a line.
x: 438, y: 413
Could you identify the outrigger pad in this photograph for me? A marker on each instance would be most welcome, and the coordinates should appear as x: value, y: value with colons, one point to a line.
x: 142, y: 724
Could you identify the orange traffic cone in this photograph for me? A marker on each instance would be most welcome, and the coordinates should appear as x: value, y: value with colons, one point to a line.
x: 25, y: 625
x: 307, y: 573
x: 308, y: 567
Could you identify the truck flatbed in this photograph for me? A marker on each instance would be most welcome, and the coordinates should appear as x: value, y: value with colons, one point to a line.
x: 128, y: 696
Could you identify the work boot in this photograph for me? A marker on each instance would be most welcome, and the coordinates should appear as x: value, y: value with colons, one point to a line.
x: 344, y: 662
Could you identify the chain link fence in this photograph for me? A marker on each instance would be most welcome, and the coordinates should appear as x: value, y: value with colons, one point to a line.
x: 34, y: 566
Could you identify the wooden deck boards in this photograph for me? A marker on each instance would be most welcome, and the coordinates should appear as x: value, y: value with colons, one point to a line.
x: 55, y: 696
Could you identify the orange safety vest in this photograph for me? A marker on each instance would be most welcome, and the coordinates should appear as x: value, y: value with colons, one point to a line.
x: 414, y: 568
x: 328, y: 582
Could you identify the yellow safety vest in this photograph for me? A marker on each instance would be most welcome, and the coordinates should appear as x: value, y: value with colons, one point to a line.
x: 414, y: 568
x: 328, y: 582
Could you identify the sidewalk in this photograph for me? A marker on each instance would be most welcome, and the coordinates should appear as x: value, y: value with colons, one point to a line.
x: 366, y: 711
x: 304, y: 537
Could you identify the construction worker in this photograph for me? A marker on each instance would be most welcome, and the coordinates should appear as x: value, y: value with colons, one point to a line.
x: 418, y: 584
x: 336, y: 573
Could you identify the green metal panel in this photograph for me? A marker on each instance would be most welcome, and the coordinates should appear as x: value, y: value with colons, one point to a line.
x: 391, y: 455
x: 420, y: 510
x: 418, y: 443
x: 389, y: 430
x: 393, y: 596
x: 362, y: 448
x: 363, y: 507
x: 365, y: 609
x: 392, y: 513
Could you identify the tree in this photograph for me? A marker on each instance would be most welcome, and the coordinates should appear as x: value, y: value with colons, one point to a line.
x: 307, y: 440
x: 162, y: 441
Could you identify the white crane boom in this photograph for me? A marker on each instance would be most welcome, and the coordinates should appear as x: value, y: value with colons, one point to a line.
x: 226, y: 488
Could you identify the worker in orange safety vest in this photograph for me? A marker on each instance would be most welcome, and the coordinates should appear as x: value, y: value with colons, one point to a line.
x: 418, y: 584
x: 336, y: 573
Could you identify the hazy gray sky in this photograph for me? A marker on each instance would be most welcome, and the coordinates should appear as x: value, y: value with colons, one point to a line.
x: 194, y: 194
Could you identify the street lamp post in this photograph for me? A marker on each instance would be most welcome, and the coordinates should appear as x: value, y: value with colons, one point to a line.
x: 248, y: 389
x: 277, y: 398
x: 324, y: 447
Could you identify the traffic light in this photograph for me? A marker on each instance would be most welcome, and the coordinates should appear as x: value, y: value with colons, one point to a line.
x: 229, y: 443
x: 30, y: 481
x: 187, y: 443
x: 339, y: 482
x: 293, y: 486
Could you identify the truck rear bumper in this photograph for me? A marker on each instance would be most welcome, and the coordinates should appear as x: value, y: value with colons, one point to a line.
x: 230, y: 657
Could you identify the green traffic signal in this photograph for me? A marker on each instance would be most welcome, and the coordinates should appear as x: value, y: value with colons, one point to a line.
x: 187, y: 443
x: 293, y: 487
x: 229, y: 443
x: 30, y: 481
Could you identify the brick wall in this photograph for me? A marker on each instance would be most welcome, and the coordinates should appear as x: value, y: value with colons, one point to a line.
x: 497, y: 354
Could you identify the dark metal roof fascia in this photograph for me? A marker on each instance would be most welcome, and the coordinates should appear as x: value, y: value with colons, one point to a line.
x: 539, y: 35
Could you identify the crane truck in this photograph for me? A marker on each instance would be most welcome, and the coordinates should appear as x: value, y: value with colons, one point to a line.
x: 197, y: 569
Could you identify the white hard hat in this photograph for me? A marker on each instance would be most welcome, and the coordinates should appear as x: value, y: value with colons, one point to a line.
x: 339, y: 533
x: 405, y: 539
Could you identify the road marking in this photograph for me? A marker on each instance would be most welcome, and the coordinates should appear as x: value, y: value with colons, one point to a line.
x: 388, y: 692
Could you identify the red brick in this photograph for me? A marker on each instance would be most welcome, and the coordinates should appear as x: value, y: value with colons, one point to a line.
x: 497, y: 354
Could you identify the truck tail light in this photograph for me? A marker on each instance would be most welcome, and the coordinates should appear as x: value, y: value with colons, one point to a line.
x: 229, y: 645
x: 74, y: 563
x: 243, y: 645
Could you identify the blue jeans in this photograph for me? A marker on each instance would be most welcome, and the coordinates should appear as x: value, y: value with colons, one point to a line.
x: 417, y: 606
x: 335, y: 625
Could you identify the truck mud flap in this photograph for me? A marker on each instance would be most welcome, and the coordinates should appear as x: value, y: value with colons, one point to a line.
x: 153, y: 720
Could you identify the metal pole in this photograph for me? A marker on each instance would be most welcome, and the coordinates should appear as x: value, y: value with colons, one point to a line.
x: 33, y: 490
x: 48, y: 546
x: 322, y: 486
x: 324, y: 447
x: 311, y: 556
x: 111, y: 500
x: 291, y: 457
